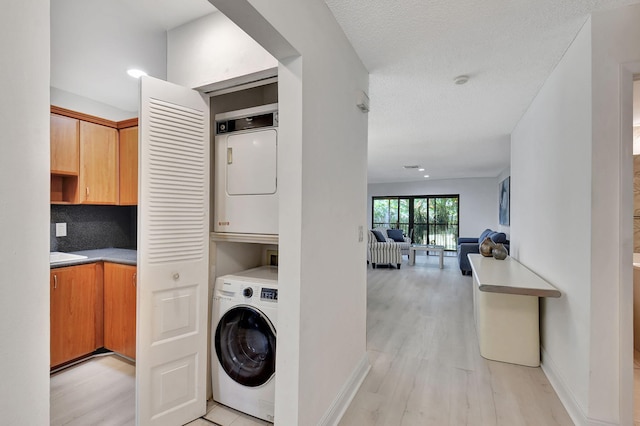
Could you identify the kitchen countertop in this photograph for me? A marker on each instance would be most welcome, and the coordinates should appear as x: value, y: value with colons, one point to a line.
x: 115, y: 255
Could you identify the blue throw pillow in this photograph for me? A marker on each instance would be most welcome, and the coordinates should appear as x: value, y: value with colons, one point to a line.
x: 395, y: 235
x: 379, y: 236
x: 498, y: 237
x: 484, y: 235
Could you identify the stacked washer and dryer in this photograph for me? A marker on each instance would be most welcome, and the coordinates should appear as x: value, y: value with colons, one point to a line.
x: 245, y: 304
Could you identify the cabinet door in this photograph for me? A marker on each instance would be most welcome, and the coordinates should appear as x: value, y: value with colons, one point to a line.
x: 73, y: 299
x: 120, y: 308
x: 65, y: 145
x: 98, y: 164
x: 128, y: 166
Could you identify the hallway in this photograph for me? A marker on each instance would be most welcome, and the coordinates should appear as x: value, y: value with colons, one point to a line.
x: 426, y: 368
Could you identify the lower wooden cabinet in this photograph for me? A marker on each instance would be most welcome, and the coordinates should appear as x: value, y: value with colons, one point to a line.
x: 73, y: 312
x: 120, y: 308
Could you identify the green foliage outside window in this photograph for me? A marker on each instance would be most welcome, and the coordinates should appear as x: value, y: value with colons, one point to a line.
x: 433, y: 219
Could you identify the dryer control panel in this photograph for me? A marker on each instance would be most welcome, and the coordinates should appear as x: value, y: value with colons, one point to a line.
x: 269, y: 294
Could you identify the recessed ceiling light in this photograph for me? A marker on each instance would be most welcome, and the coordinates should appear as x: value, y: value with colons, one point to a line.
x: 421, y: 169
x: 426, y: 176
x: 461, y: 79
x: 136, y: 73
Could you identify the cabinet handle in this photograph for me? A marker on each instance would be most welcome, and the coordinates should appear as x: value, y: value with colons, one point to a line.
x: 229, y: 155
x: 55, y: 281
x: 87, y: 192
x: 135, y: 278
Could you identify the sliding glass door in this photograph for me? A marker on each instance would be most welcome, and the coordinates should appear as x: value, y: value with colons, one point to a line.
x: 391, y: 212
x: 427, y: 219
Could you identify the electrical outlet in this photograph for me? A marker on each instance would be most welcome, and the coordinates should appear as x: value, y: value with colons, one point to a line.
x: 61, y: 229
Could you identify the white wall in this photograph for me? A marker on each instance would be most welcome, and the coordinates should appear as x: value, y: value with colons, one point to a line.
x: 323, y: 190
x: 94, y: 42
x: 213, y: 49
x: 322, y: 185
x: 550, y: 210
x: 571, y: 169
x: 24, y: 209
x: 79, y: 103
x: 615, y: 56
x: 478, y: 199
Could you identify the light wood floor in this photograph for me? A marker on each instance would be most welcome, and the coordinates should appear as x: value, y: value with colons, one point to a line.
x: 426, y: 366
x: 100, y: 391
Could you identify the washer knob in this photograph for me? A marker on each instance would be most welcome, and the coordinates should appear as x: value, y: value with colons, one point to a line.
x: 247, y: 292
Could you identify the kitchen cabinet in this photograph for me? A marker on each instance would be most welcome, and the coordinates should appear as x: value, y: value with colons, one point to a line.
x: 65, y: 147
x: 98, y: 164
x: 93, y: 160
x: 73, y: 312
x: 120, y: 308
x: 128, y: 161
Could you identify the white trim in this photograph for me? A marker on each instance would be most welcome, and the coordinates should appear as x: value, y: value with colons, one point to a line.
x: 549, y: 368
x: 244, y: 86
x: 576, y: 412
x: 343, y: 399
x: 238, y: 83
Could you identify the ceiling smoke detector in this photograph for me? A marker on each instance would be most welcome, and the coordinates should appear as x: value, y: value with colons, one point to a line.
x: 461, y: 79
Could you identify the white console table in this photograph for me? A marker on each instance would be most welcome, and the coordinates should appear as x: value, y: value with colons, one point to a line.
x: 505, y: 305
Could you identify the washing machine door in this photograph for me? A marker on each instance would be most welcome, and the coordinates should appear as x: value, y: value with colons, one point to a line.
x: 245, y: 343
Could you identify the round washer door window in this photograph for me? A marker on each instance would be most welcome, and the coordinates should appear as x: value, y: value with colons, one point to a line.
x: 246, y: 346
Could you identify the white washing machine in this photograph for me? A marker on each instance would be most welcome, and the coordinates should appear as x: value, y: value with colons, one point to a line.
x: 243, y: 353
x: 246, y: 171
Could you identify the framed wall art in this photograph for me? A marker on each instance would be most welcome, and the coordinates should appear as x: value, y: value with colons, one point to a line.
x: 505, y: 195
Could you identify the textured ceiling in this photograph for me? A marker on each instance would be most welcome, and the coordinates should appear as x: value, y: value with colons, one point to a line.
x: 415, y: 48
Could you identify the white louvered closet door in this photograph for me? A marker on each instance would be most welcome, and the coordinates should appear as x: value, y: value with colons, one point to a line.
x: 173, y: 254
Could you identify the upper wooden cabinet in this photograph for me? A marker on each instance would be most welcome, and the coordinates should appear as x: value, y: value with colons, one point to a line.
x: 65, y: 155
x: 128, y: 166
x: 93, y: 160
x: 65, y: 145
x: 98, y: 164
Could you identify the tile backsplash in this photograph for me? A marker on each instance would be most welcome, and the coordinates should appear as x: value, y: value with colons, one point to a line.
x: 93, y: 227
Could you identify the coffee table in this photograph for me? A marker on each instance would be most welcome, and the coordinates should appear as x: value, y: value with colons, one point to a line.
x: 427, y: 248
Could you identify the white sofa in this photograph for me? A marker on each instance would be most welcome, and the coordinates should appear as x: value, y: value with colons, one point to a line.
x: 404, y: 246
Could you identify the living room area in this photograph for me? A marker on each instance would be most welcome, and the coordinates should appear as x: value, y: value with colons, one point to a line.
x: 449, y: 209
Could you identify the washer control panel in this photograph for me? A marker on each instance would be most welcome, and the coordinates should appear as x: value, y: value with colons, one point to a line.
x: 269, y: 294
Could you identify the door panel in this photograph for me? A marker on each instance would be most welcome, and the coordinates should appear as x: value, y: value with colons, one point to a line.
x: 172, y: 254
x: 120, y: 308
x: 251, y: 163
x: 73, y: 315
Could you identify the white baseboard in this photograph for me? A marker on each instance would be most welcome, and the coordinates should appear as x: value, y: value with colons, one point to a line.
x: 576, y: 412
x: 345, y: 396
